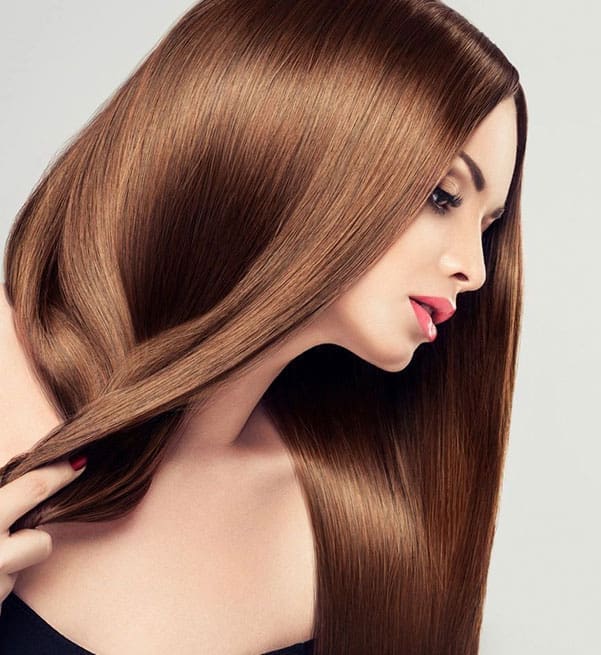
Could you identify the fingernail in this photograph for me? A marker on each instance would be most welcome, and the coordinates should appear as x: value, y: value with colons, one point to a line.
x: 78, y: 462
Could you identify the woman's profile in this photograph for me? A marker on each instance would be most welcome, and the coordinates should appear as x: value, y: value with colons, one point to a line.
x: 272, y: 293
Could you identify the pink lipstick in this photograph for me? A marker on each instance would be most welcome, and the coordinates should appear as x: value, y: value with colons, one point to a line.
x: 425, y: 320
x: 431, y: 310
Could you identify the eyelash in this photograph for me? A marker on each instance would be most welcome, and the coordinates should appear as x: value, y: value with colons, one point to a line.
x: 452, y: 199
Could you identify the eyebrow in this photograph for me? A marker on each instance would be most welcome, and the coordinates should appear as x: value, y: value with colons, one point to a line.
x: 478, y: 179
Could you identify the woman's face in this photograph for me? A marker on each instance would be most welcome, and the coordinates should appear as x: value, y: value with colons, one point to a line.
x: 439, y: 255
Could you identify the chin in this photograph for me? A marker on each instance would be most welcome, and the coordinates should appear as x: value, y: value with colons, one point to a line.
x: 395, y: 367
x: 392, y: 361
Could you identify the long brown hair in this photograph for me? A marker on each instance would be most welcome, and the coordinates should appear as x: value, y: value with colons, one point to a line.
x: 254, y: 165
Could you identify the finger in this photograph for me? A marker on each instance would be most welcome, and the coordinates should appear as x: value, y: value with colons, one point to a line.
x: 24, y: 548
x: 28, y: 490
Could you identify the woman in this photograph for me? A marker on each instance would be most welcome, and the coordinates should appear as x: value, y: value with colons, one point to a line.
x: 220, y: 288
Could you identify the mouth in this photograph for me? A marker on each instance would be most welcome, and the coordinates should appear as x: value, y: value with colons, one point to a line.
x: 424, y: 318
x: 439, y: 308
x: 430, y: 311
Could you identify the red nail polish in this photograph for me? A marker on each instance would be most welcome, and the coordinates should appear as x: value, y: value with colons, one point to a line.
x: 78, y: 462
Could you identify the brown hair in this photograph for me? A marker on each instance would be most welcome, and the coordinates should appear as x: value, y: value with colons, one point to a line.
x: 159, y: 256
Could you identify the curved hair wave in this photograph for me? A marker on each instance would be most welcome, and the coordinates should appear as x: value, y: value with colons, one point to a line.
x: 158, y: 257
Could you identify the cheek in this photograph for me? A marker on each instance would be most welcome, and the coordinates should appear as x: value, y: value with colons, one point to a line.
x: 374, y: 321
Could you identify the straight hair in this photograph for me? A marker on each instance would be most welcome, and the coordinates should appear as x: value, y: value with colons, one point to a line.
x: 254, y: 165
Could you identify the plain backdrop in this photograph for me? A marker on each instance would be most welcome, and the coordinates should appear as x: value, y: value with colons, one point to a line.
x: 59, y: 60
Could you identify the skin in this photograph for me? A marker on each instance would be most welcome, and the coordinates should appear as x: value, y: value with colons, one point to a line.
x: 438, y: 255
x: 228, y: 471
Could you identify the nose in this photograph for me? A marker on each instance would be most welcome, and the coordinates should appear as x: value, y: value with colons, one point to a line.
x: 463, y: 259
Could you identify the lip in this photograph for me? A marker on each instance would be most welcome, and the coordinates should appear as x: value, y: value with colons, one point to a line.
x: 443, y: 308
x: 425, y: 320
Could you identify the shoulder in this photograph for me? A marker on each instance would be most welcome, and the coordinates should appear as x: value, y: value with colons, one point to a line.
x: 10, y: 382
x: 5, y: 308
x: 10, y: 349
x: 8, y: 341
x: 26, y: 414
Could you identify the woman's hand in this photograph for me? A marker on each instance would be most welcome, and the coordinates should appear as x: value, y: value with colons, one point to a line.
x: 28, y: 546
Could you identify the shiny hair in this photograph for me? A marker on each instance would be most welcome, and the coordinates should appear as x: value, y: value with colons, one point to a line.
x: 254, y: 165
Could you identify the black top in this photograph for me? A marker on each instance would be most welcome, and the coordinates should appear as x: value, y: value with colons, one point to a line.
x: 24, y: 632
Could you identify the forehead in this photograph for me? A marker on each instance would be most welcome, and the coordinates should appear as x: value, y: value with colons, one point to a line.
x: 493, y: 146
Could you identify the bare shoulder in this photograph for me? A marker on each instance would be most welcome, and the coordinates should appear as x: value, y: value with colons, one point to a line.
x: 26, y: 414
x: 7, y: 358
x: 5, y: 309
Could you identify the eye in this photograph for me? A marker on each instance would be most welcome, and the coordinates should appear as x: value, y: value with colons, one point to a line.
x: 443, y: 196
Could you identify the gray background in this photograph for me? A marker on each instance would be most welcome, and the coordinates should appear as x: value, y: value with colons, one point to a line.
x: 60, y: 59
